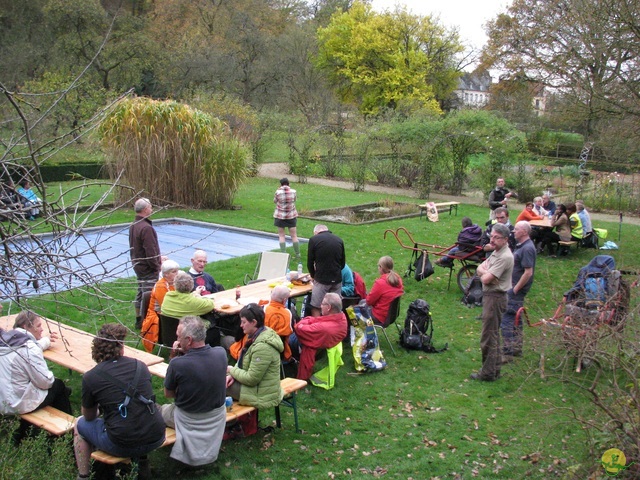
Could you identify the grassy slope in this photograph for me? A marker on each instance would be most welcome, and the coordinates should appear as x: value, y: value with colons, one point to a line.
x: 421, y: 417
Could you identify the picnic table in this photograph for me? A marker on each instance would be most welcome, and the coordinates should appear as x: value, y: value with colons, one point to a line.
x: 544, y: 223
x: 72, y: 349
x: 258, y: 292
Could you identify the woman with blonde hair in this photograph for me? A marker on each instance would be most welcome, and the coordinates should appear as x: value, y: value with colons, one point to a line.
x: 385, y: 290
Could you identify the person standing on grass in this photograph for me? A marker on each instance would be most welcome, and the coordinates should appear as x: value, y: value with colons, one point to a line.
x: 524, y: 264
x: 498, y: 197
x: 286, y: 215
x: 196, y: 378
x: 495, y: 275
x: 325, y: 261
x: 145, y: 252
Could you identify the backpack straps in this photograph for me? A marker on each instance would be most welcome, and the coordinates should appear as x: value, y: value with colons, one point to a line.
x: 130, y: 390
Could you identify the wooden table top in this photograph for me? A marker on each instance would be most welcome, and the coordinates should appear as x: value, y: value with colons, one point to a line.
x: 72, y: 349
x: 225, y: 302
x: 545, y: 222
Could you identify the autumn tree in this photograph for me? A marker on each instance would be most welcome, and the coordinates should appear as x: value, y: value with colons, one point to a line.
x: 381, y: 60
x: 586, y: 50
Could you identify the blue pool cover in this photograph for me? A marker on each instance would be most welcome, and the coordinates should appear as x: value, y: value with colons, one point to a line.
x: 102, y: 254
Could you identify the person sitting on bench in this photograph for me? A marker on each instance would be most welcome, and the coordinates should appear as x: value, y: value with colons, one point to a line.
x: 27, y: 382
x: 255, y: 379
x: 120, y: 387
x: 196, y: 379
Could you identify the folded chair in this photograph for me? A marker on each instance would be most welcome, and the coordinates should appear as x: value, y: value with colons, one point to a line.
x: 271, y: 265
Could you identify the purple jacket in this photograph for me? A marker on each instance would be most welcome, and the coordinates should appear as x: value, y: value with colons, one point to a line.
x: 469, y: 236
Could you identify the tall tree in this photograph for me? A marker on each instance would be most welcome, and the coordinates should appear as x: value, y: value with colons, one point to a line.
x: 585, y: 49
x: 379, y: 61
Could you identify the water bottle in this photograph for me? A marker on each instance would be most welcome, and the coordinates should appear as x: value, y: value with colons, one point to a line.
x: 288, y: 276
x: 300, y: 269
x: 228, y: 402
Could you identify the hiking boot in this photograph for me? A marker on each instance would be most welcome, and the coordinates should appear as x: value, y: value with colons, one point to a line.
x: 506, y: 359
x: 482, y: 378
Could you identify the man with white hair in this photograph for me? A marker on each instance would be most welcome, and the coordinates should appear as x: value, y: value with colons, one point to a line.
x: 145, y: 252
x: 200, y: 277
x: 196, y: 379
x: 524, y: 264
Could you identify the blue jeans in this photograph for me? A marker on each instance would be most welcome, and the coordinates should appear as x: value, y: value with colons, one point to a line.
x: 95, y: 432
x: 512, y: 333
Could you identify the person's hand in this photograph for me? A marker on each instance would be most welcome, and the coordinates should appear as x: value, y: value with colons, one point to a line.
x: 229, y: 367
x: 199, y: 290
x: 53, y: 336
x: 176, y: 350
x: 229, y: 381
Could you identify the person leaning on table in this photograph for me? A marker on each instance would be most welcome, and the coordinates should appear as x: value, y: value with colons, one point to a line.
x: 130, y: 426
x: 255, y: 379
x: 27, y: 383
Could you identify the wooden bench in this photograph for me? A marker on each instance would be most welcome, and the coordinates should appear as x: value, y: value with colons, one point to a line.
x: 50, y: 419
x: 235, y: 412
x: 290, y: 386
x: 442, y: 207
x: 103, y: 457
x: 566, y: 246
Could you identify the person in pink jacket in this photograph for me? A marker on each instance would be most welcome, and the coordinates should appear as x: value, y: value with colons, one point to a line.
x: 325, y: 331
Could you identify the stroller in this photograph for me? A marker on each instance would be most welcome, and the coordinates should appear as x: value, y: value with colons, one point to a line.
x: 594, y: 306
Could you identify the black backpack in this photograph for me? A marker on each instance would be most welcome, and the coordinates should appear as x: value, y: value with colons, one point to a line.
x: 418, y: 329
x: 473, y: 293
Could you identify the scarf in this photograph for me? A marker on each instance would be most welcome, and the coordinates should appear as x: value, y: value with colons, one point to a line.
x: 247, y: 345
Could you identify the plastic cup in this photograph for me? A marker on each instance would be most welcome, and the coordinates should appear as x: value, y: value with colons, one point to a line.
x: 228, y: 402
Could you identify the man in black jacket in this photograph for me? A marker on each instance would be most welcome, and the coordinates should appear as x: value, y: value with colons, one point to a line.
x: 498, y: 197
x: 325, y: 261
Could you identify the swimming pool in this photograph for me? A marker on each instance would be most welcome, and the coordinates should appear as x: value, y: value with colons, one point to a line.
x: 102, y: 254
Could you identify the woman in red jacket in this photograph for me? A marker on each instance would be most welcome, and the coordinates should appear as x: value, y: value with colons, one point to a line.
x: 385, y: 290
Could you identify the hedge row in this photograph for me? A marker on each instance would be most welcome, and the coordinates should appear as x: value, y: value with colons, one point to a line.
x: 71, y: 171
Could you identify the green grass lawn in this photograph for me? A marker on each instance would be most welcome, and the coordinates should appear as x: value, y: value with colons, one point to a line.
x: 421, y: 417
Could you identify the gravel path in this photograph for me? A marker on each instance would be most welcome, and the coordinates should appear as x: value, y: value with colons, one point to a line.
x: 279, y: 170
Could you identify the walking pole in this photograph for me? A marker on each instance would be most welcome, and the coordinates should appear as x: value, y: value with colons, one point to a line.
x: 620, y: 227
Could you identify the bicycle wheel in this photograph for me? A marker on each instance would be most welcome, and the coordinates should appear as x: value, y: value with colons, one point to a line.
x: 464, y: 276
